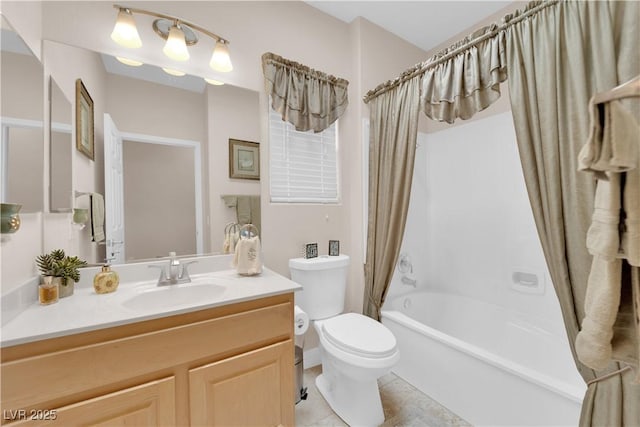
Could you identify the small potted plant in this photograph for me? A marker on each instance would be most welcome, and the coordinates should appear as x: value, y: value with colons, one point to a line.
x: 64, y: 269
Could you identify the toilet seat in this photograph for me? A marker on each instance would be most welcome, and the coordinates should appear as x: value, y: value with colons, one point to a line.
x: 359, y: 335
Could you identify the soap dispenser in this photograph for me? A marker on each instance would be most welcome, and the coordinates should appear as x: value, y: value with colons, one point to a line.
x: 106, y: 281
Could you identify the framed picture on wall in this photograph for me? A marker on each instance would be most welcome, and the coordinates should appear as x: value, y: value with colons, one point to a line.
x: 244, y: 159
x: 84, y: 120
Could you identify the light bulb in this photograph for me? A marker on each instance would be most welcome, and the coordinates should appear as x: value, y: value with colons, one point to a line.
x: 176, y: 46
x: 125, y: 32
x: 130, y: 62
x: 173, y: 72
x: 220, y: 60
x: 213, y: 82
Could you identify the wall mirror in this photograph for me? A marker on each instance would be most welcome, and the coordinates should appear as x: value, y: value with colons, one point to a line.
x: 61, y: 144
x: 21, y: 146
x: 172, y: 158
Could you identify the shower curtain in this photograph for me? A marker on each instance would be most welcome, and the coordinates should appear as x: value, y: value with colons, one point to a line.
x: 555, y: 62
x: 557, y: 54
x: 392, y: 150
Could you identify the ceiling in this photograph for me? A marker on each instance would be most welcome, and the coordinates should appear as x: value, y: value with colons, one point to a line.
x: 424, y: 23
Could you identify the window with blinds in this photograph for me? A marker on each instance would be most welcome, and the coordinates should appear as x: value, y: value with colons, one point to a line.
x: 303, y: 165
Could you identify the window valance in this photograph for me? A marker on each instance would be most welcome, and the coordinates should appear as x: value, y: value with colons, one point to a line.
x: 306, y: 98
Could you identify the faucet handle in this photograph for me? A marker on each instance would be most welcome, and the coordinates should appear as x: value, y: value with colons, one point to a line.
x: 184, y: 273
x: 163, y: 274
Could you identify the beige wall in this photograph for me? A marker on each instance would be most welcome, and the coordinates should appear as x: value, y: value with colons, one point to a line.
x: 232, y: 113
x: 22, y: 98
x: 18, y: 252
x: 379, y: 56
x: 159, y: 199
x: 26, y: 19
x: 360, y: 52
x: 62, y: 63
x: 148, y: 108
x: 61, y: 174
x: 297, y: 31
x: 24, y: 183
x: 22, y: 88
x: 289, y: 28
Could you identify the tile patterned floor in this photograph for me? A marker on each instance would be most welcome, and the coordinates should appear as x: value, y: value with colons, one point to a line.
x: 403, y: 405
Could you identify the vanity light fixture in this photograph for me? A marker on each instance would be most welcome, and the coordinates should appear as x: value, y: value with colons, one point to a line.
x: 130, y: 62
x: 178, y: 33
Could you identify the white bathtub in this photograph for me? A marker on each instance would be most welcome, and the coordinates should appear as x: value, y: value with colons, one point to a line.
x: 487, y: 364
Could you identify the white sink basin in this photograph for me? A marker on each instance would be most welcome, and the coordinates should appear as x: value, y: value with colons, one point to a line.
x: 173, y: 295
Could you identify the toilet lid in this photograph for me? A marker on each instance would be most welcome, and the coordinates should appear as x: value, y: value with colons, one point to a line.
x: 360, y: 335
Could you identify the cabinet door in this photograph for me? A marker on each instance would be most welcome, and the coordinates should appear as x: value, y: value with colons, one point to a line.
x: 149, y: 404
x: 251, y: 389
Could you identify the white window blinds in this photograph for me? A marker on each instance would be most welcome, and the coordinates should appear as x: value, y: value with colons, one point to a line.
x: 303, y: 165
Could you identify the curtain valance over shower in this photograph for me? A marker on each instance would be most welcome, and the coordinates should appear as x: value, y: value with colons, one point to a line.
x: 306, y: 98
x: 460, y: 84
x: 464, y: 78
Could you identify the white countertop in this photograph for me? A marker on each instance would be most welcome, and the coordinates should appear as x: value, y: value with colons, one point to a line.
x: 87, y: 311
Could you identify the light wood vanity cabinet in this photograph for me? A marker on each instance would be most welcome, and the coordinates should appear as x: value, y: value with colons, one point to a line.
x: 231, y: 365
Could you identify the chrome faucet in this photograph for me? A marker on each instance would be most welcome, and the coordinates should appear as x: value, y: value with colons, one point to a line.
x: 408, y: 281
x: 178, y: 272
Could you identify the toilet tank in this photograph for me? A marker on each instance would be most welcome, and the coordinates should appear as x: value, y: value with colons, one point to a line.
x: 324, y: 282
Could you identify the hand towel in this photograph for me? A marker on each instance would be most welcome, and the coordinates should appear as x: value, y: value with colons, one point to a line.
x: 230, y: 201
x: 97, y: 217
x: 243, y: 210
x: 234, y: 236
x: 610, y: 329
x: 254, y: 202
x: 612, y: 154
x: 247, y: 259
x: 602, y: 299
x: 226, y: 245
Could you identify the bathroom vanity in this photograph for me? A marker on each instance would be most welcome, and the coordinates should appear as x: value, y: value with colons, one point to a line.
x: 226, y: 360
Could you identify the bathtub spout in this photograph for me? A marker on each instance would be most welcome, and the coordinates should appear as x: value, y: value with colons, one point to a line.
x: 408, y: 281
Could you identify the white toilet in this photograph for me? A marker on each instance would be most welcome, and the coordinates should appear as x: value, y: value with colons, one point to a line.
x: 356, y: 350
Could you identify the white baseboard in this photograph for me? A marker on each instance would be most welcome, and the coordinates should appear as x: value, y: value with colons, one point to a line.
x: 311, y: 358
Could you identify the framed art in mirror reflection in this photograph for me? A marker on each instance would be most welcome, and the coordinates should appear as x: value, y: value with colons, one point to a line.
x: 84, y: 120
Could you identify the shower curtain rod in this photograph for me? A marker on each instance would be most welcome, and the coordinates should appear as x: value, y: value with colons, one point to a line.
x: 532, y: 8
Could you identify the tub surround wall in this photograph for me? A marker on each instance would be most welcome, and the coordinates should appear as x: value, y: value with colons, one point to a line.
x: 478, y: 229
x: 469, y: 228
